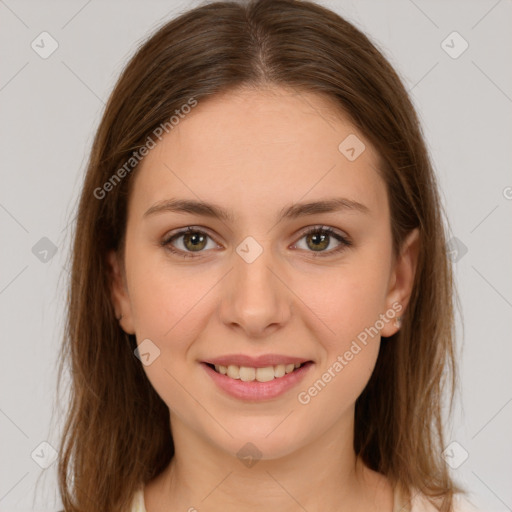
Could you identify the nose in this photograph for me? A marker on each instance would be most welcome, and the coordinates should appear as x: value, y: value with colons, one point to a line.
x: 255, y: 298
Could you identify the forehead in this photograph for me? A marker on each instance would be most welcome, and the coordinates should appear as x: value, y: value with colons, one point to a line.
x: 252, y: 148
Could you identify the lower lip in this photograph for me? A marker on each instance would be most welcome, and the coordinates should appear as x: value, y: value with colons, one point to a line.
x: 255, y: 390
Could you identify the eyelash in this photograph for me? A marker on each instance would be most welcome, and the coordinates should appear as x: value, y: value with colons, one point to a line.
x: 344, y: 241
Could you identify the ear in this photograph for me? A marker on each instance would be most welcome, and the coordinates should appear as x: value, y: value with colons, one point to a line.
x: 119, y: 293
x: 402, y: 280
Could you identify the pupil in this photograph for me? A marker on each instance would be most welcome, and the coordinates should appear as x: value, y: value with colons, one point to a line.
x: 195, y: 239
x: 319, y: 240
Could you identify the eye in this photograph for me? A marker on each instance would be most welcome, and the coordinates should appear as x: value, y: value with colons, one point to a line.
x: 193, y: 240
x: 320, y: 238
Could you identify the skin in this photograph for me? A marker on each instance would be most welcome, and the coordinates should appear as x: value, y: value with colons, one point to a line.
x: 254, y: 152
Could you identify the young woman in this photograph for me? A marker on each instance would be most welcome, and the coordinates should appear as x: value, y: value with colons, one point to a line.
x: 260, y: 306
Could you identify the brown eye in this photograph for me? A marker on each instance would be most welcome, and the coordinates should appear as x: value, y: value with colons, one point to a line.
x: 194, y: 241
x: 318, y: 239
x: 187, y: 241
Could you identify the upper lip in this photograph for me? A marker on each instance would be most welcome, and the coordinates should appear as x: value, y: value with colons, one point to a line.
x: 255, y: 362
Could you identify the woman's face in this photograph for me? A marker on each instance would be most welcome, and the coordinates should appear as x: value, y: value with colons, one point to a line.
x: 254, y: 283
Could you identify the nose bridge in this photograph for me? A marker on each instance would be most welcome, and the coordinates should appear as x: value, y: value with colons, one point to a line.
x: 256, y: 298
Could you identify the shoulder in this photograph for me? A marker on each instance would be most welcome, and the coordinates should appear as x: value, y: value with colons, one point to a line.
x: 137, y: 504
x: 463, y: 504
x: 420, y: 503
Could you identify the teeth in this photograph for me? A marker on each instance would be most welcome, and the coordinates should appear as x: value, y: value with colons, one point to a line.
x: 264, y: 374
x: 279, y: 371
x: 233, y: 371
x: 248, y: 374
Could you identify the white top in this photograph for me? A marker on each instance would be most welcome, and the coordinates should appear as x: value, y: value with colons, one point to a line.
x: 419, y: 503
x: 138, y: 501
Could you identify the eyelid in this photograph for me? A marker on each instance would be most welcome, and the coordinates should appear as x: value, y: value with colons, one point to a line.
x: 325, y: 228
x: 191, y: 227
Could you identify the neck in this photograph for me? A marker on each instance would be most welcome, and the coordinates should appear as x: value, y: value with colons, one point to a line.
x: 203, y: 476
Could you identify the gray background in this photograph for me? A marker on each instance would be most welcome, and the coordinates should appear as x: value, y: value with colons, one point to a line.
x: 50, y: 109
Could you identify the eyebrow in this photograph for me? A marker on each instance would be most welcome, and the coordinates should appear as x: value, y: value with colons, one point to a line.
x: 294, y: 211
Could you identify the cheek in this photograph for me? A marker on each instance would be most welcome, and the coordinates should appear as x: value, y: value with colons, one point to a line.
x: 163, y: 294
x: 348, y: 299
x: 335, y: 388
x: 350, y: 305
x: 168, y: 308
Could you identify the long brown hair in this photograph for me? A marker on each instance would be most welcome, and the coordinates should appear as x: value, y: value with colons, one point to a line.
x: 117, y: 432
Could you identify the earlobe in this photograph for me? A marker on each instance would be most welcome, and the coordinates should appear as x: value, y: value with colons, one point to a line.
x: 119, y: 293
x: 402, y: 281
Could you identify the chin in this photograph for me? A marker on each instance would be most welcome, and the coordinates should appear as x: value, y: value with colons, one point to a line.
x: 262, y: 442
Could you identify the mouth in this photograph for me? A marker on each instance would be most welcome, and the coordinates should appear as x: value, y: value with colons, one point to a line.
x: 256, y: 374
x: 256, y: 377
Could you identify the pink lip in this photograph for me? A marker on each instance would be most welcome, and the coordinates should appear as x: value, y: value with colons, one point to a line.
x: 257, y: 391
x: 255, y: 362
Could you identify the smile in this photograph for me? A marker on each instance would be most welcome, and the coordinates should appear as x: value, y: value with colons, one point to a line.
x: 257, y: 383
x: 249, y: 374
